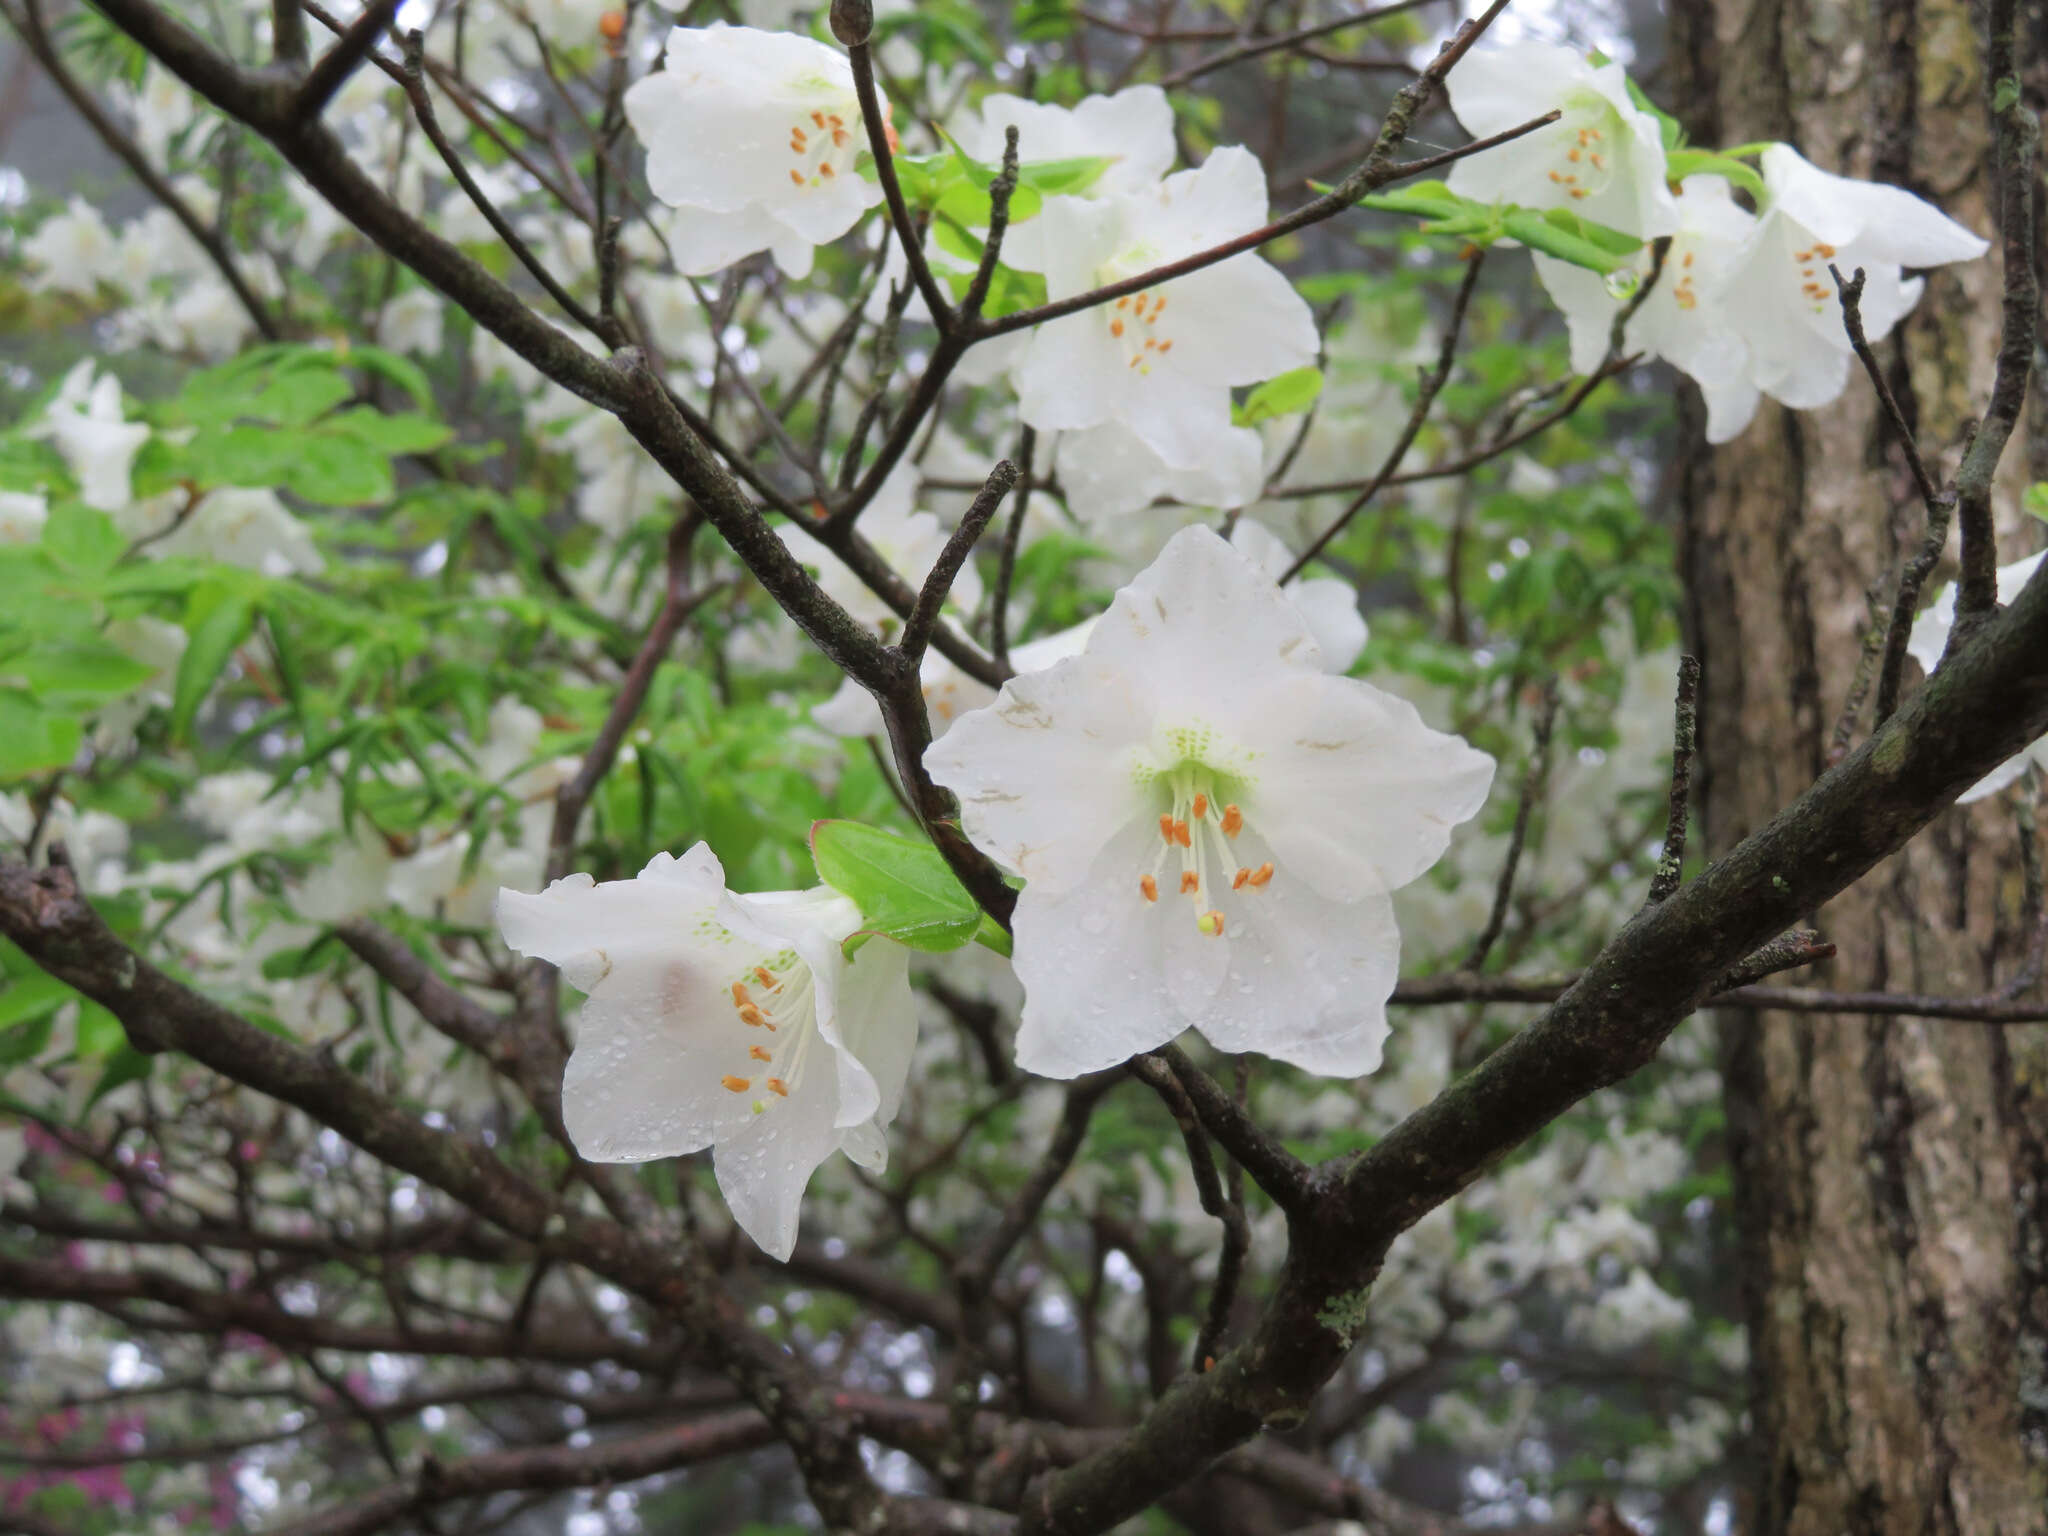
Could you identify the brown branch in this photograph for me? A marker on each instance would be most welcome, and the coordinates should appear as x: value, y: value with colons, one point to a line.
x: 330, y: 72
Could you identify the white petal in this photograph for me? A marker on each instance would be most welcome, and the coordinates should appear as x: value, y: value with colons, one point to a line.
x: 1330, y: 608
x: 1238, y: 322
x: 1889, y: 222
x: 1109, y: 470
x: 1203, y: 629
x: 765, y: 1164
x: 1354, y: 792
x: 1494, y: 89
x: 1588, y: 308
x: 1309, y: 979
x: 878, y: 1023
x: 1093, y: 962
x: 1041, y: 774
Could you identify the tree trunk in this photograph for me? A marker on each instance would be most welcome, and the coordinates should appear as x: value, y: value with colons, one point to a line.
x: 1891, y: 1175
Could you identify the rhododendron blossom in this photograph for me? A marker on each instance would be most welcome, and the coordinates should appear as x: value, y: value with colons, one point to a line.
x: 753, y: 136
x: 1208, y: 825
x: 728, y: 1021
x: 1686, y: 317
x: 1782, y: 297
x: 1603, y: 159
x: 1162, y: 361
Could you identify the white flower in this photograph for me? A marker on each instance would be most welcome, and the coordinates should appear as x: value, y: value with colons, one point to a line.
x: 1162, y: 362
x: 71, y: 251
x: 1781, y: 296
x: 1687, y: 318
x: 1929, y: 638
x: 242, y: 526
x: 910, y: 541
x: 85, y: 422
x: 22, y: 515
x: 1330, y: 609
x: 1603, y: 159
x: 726, y: 1021
x: 1208, y: 824
x: 1630, y: 1314
x: 411, y: 322
x: 1110, y: 471
x: 755, y: 134
x: 1132, y: 129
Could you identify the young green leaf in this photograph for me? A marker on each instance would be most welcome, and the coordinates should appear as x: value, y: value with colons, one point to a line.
x: 903, y: 888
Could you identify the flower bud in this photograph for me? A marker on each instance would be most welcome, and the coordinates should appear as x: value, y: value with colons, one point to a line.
x: 611, y: 26
x: 853, y: 21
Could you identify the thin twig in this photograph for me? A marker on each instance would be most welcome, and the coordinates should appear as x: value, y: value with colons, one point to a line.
x: 1685, y: 723
x: 2019, y: 133
x: 917, y: 629
x: 1006, y: 568
x: 879, y: 135
x: 1533, y: 782
x: 1430, y: 385
x: 999, y: 194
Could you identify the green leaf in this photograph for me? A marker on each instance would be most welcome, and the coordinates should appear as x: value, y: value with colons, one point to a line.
x: 77, y: 674
x: 33, y: 739
x: 1704, y: 162
x: 81, y: 539
x: 244, y: 455
x: 392, y: 434
x: 903, y: 888
x: 402, y: 371
x: 126, y: 1065
x: 2035, y: 499
x: 1284, y: 394
x: 27, y: 1000
x: 1422, y: 199
x: 218, y: 619
x: 1570, y: 238
x: 339, y: 470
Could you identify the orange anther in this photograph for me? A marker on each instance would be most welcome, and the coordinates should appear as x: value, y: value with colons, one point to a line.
x: 758, y: 1054
x: 1686, y: 259
x: 1166, y: 825
x: 1261, y: 875
x: 1233, y: 821
x: 1124, y: 302
x: 796, y: 178
x: 1574, y: 155
x: 1237, y: 880
x: 1555, y: 177
x: 840, y: 138
x: 1166, y: 346
x: 1578, y: 191
x: 750, y: 1015
x: 1149, y: 886
x: 826, y: 169
x: 1201, y: 807
x: 1599, y: 164
x: 737, y: 1084
x: 817, y: 119
x: 611, y: 26
x: 835, y: 120
x: 766, y: 977
x: 1825, y: 251
x: 778, y: 1087
x: 739, y: 995
x: 1180, y: 834
x: 1116, y: 327
x: 1189, y: 881
x: 1802, y: 255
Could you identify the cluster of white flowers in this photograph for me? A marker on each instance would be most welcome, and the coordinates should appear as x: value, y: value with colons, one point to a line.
x: 1745, y: 303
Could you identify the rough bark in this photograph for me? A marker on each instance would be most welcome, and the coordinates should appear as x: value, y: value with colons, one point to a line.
x: 1889, y: 1172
